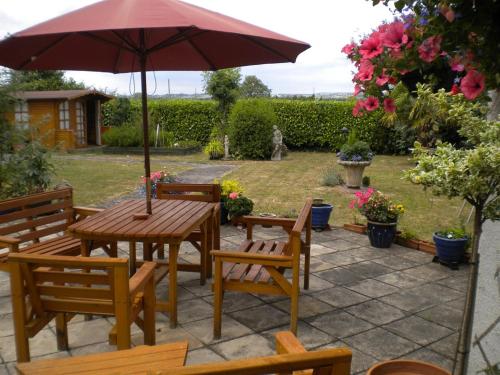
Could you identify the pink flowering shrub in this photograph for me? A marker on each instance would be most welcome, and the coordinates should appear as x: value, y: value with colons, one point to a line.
x: 376, y: 206
x: 396, y: 51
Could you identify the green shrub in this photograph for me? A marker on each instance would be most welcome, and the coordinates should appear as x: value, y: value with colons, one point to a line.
x: 357, y: 151
x: 214, y: 149
x: 121, y: 112
x: 251, y: 129
x: 332, y: 178
x: 123, y: 136
x: 365, y: 181
x: 187, y: 144
x: 239, y: 206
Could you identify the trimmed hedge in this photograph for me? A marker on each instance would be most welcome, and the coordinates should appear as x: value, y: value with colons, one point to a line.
x: 305, y: 124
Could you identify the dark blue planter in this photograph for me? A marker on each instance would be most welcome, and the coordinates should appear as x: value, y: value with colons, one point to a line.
x: 223, y: 213
x: 450, y: 251
x: 381, y: 235
x: 320, y: 215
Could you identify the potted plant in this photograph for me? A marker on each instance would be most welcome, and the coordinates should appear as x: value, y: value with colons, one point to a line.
x: 227, y: 187
x: 450, y: 246
x: 155, y: 177
x: 238, y: 205
x: 214, y: 149
x: 382, y: 216
x: 354, y: 156
x: 320, y: 214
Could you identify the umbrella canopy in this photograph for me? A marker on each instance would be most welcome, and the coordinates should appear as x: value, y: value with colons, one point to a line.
x: 121, y: 36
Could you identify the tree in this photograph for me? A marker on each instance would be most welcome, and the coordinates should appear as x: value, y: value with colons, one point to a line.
x: 223, y: 86
x: 472, y: 174
x: 252, y: 87
x: 42, y: 80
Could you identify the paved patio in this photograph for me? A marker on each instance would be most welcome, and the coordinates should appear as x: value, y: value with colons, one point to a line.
x: 382, y: 303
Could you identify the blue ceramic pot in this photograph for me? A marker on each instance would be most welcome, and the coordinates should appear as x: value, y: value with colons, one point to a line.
x: 450, y: 250
x: 381, y: 235
x: 320, y: 215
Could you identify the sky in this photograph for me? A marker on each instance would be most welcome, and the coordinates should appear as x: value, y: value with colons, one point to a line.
x: 327, y: 25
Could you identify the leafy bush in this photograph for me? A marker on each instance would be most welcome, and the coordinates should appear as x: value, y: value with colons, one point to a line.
x: 452, y: 233
x: 332, y: 178
x: 229, y: 186
x: 123, y: 136
x: 214, y: 149
x: 120, y: 112
x: 366, y: 181
x: 359, y: 151
x: 187, y: 144
x: 238, y: 206
x: 251, y: 129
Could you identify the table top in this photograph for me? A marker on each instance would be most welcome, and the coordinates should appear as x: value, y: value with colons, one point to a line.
x: 139, y: 360
x: 171, y: 219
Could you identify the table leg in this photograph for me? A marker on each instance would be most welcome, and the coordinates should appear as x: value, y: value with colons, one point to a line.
x: 147, y: 251
x: 205, y: 253
x: 133, y: 257
x: 173, y: 252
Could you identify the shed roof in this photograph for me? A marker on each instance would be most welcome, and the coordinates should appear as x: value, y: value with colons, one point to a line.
x: 61, y: 94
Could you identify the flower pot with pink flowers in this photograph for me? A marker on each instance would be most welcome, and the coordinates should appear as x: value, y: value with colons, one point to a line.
x: 382, y: 216
x: 238, y: 205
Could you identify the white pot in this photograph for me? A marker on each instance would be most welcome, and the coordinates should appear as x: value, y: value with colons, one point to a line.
x: 354, y: 172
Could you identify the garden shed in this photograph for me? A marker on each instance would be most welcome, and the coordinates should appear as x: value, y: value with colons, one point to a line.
x: 66, y: 118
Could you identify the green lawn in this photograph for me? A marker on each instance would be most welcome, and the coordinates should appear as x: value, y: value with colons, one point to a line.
x: 275, y: 187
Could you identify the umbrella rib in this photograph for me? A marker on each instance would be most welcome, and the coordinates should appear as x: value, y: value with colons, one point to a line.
x: 204, y: 56
x: 177, y: 38
x: 260, y: 44
x: 101, y: 39
x: 133, y: 49
x: 42, y: 51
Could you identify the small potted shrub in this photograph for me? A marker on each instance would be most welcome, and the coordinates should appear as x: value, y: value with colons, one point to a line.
x: 227, y: 187
x: 155, y: 177
x: 214, y: 149
x: 238, y: 205
x: 354, y: 156
x: 450, y: 246
x: 382, y: 216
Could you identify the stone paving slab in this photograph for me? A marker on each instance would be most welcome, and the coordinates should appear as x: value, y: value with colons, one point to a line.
x: 382, y: 303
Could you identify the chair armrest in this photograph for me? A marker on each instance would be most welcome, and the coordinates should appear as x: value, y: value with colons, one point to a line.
x: 11, y: 242
x: 252, y: 258
x: 288, y: 343
x: 87, y: 211
x: 137, y: 282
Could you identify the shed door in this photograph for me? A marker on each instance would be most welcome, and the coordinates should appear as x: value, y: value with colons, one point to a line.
x: 80, y: 123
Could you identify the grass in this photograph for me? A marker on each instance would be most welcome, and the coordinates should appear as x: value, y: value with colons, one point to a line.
x: 97, y: 178
x: 282, y: 187
x: 275, y: 187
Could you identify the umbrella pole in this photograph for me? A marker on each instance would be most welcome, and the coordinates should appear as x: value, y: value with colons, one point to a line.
x: 145, y: 129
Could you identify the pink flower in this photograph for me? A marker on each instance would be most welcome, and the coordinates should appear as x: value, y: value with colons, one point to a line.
x: 371, y: 47
x: 371, y: 103
x: 394, y: 35
x: 456, y: 64
x: 472, y: 85
x: 396, y: 54
x: 357, y: 111
x: 365, y: 71
x: 348, y: 48
x: 389, y: 105
x: 352, y: 204
x: 455, y: 89
x: 357, y: 90
x: 233, y: 195
x: 429, y: 49
x: 448, y: 13
x: 382, y: 79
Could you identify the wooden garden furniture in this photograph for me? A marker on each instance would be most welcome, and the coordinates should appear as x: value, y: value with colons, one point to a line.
x: 201, y: 193
x: 168, y: 359
x: 170, y: 223
x: 258, y: 265
x: 50, y: 286
x: 26, y: 222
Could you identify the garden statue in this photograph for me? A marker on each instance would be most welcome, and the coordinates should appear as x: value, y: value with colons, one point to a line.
x: 277, y: 143
x: 226, y: 147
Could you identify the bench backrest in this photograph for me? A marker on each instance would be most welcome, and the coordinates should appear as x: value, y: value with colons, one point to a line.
x: 69, y: 284
x: 32, y: 217
x: 189, y: 192
x: 330, y: 361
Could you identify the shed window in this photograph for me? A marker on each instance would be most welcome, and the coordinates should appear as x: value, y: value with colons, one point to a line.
x: 21, y: 114
x: 64, y: 115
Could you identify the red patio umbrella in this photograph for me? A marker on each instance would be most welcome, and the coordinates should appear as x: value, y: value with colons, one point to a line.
x: 120, y: 36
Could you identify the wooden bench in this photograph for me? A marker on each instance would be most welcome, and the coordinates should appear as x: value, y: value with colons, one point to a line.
x: 166, y: 359
x: 45, y: 287
x: 258, y: 266
x: 26, y: 222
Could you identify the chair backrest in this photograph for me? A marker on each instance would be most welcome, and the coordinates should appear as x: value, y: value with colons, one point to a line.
x: 69, y: 284
x: 32, y: 217
x: 189, y: 192
x: 302, y: 224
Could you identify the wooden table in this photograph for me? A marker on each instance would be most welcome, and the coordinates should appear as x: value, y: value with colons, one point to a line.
x: 171, y: 222
x: 139, y: 360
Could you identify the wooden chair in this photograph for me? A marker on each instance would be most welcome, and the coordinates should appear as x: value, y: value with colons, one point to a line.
x: 168, y: 359
x: 46, y: 287
x: 258, y: 266
x: 26, y: 222
x: 193, y: 192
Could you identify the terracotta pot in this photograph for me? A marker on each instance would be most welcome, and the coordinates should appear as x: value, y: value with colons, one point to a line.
x: 406, y: 367
x: 357, y: 228
x: 427, y: 247
x: 354, y: 172
x: 407, y: 242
